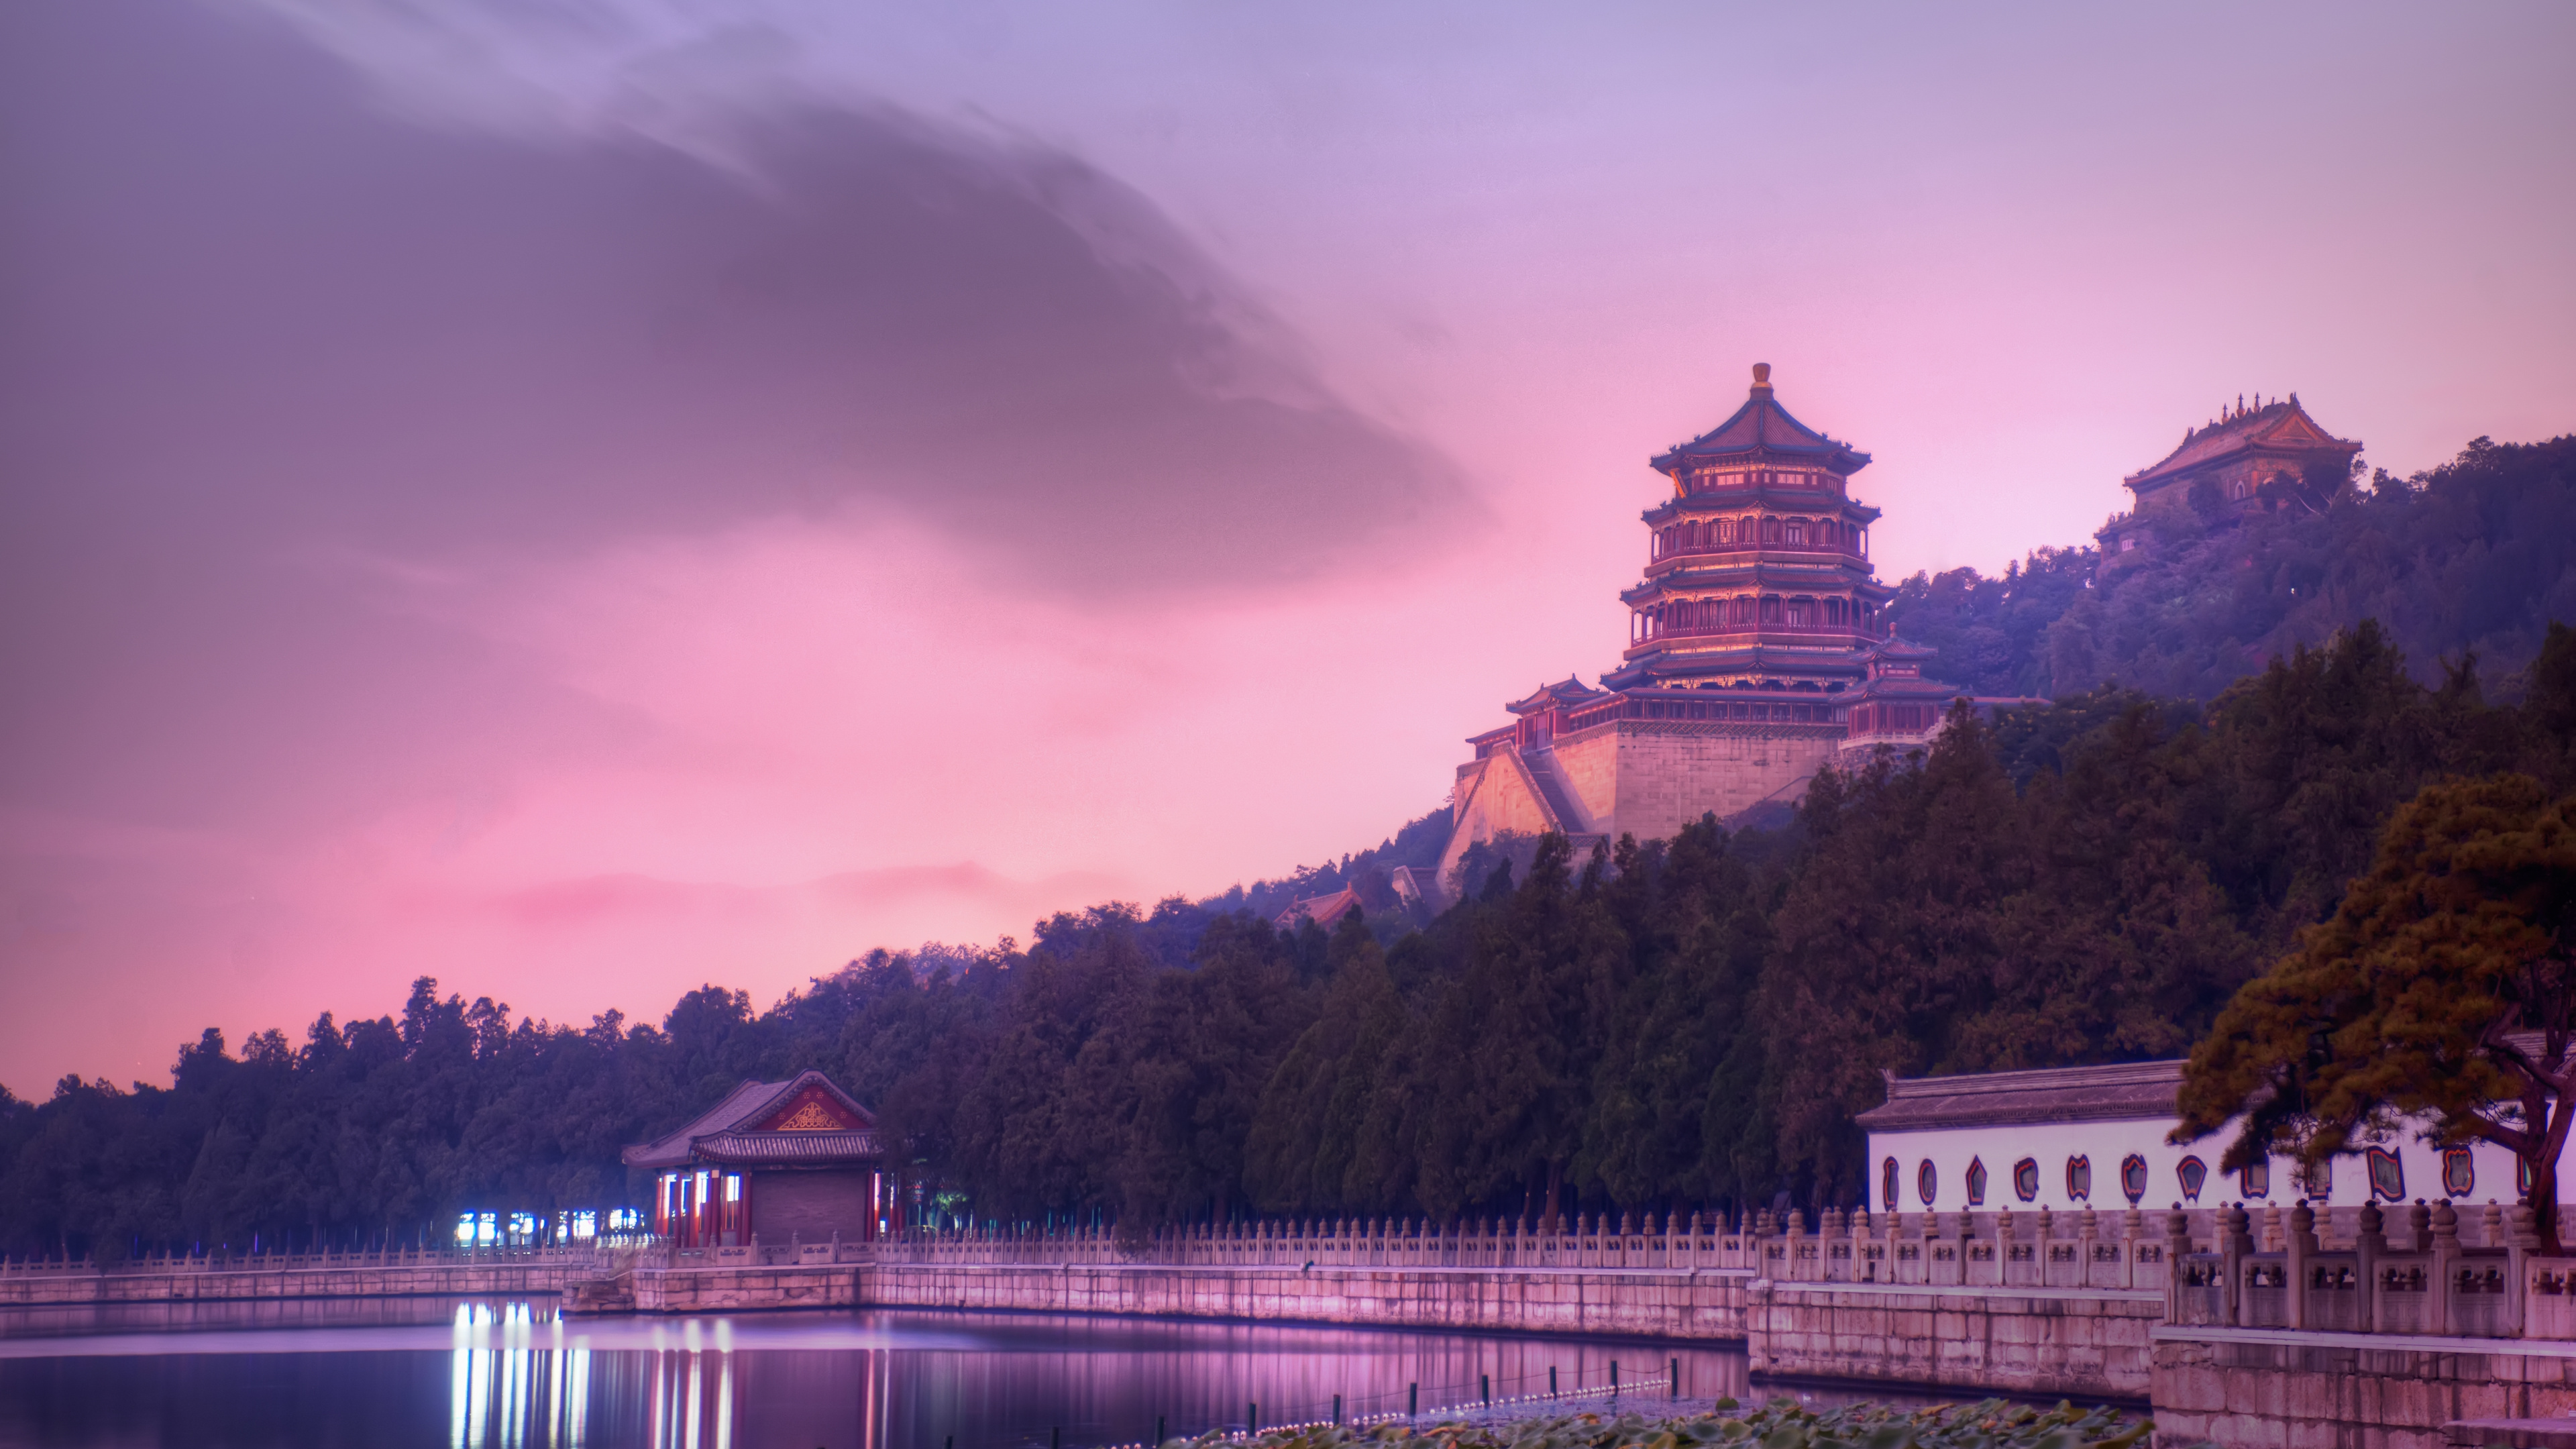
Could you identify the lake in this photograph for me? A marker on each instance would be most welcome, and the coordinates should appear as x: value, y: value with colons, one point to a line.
x: 510, y: 1374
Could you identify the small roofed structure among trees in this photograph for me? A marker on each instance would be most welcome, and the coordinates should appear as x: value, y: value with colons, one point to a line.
x: 779, y: 1161
x: 1323, y: 910
x: 2444, y: 986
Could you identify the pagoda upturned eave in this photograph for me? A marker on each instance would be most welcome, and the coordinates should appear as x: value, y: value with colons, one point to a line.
x: 1717, y: 502
x: 1765, y: 572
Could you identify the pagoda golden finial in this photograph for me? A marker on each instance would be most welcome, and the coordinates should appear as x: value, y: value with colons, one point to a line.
x: 1761, y: 377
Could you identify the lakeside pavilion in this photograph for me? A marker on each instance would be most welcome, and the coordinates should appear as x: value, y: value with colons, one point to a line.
x: 775, y: 1160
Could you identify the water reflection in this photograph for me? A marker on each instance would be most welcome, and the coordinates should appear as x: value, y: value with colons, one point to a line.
x: 522, y: 1392
x: 515, y: 1375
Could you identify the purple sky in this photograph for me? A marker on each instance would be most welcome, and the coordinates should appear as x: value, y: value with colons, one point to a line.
x: 585, y: 497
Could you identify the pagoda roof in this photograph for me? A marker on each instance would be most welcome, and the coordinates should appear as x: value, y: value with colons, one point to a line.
x: 2279, y: 426
x: 804, y: 1119
x: 1763, y: 428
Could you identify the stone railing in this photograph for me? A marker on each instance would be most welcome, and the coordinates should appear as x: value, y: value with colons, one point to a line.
x: 2437, y: 1274
x: 324, y: 1260
x: 1998, y: 1249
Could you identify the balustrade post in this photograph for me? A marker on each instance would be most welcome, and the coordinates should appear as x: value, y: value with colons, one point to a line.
x: 2521, y: 1241
x: 2302, y: 1245
x: 2446, y: 1255
x: 2367, y: 1245
x: 2235, y: 1241
x: 2177, y: 1247
x: 2133, y: 1226
x: 2088, y: 1233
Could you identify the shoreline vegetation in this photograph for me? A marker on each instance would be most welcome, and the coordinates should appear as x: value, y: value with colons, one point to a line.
x: 1674, y: 1025
x: 1783, y: 1423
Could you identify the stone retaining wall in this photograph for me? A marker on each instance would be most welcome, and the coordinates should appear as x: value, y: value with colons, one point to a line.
x: 222, y: 1284
x: 2084, y: 1344
x: 1704, y: 1306
x: 2252, y: 1389
x: 716, y: 1290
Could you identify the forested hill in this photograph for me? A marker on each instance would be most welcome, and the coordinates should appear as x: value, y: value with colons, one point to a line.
x: 1690, y: 1023
x: 2478, y: 555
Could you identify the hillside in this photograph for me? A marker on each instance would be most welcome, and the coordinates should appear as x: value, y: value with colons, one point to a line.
x: 2477, y: 555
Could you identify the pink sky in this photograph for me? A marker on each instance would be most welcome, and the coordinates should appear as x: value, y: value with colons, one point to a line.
x: 585, y: 500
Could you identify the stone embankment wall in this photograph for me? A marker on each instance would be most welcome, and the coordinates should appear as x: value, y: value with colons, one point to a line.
x: 216, y: 1284
x: 1705, y: 1306
x: 2257, y: 1389
x: 2094, y: 1344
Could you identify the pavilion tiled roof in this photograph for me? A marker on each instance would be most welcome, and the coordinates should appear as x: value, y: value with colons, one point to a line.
x: 1763, y: 427
x: 761, y: 1148
x: 2129, y: 1092
x: 741, y: 1108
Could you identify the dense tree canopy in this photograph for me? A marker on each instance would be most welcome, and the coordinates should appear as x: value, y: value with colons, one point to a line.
x: 2443, y: 988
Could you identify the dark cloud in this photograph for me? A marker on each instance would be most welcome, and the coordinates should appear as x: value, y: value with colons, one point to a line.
x: 247, y: 319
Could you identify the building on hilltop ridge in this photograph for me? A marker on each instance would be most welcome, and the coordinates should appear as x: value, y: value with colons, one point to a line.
x: 1756, y: 654
x: 1323, y: 910
x: 2266, y: 458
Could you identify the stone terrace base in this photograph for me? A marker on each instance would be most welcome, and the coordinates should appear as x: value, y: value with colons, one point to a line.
x: 2082, y: 1343
x: 720, y: 1290
x: 2270, y: 1388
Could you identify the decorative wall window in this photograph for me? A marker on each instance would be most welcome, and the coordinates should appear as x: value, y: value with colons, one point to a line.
x: 2317, y: 1180
x: 1927, y: 1182
x: 1976, y: 1182
x: 2026, y: 1179
x: 1770, y: 530
x: 2459, y: 1172
x: 1887, y: 1184
x: 2079, y: 1178
x: 2133, y: 1178
x: 2256, y: 1179
x: 2194, y: 1174
x: 2387, y: 1174
x: 1798, y: 609
x: 1798, y: 534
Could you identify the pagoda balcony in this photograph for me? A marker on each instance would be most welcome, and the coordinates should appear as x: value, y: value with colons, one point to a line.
x: 1645, y: 629
x: 1660, y: 558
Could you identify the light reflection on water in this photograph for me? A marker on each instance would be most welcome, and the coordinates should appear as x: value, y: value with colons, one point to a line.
x: 505, y: 1374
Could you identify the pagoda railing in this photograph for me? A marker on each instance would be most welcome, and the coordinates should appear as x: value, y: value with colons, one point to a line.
x: 1650, y: 631
x: 1659, y: 553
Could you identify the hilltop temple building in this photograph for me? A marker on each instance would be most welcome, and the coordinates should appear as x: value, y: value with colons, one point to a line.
x: 1756, y: 654
x: 2258, y: 459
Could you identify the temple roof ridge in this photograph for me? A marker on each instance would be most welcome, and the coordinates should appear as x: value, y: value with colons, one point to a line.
x: 2282, y: 421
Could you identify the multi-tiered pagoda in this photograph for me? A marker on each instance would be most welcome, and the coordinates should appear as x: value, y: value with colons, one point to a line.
x: 1756, y: 653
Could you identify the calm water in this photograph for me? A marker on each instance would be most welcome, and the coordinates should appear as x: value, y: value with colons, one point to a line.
x: 507, y: 1373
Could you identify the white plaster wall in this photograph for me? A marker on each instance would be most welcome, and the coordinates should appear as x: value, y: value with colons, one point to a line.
x: 1951, y: 1149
